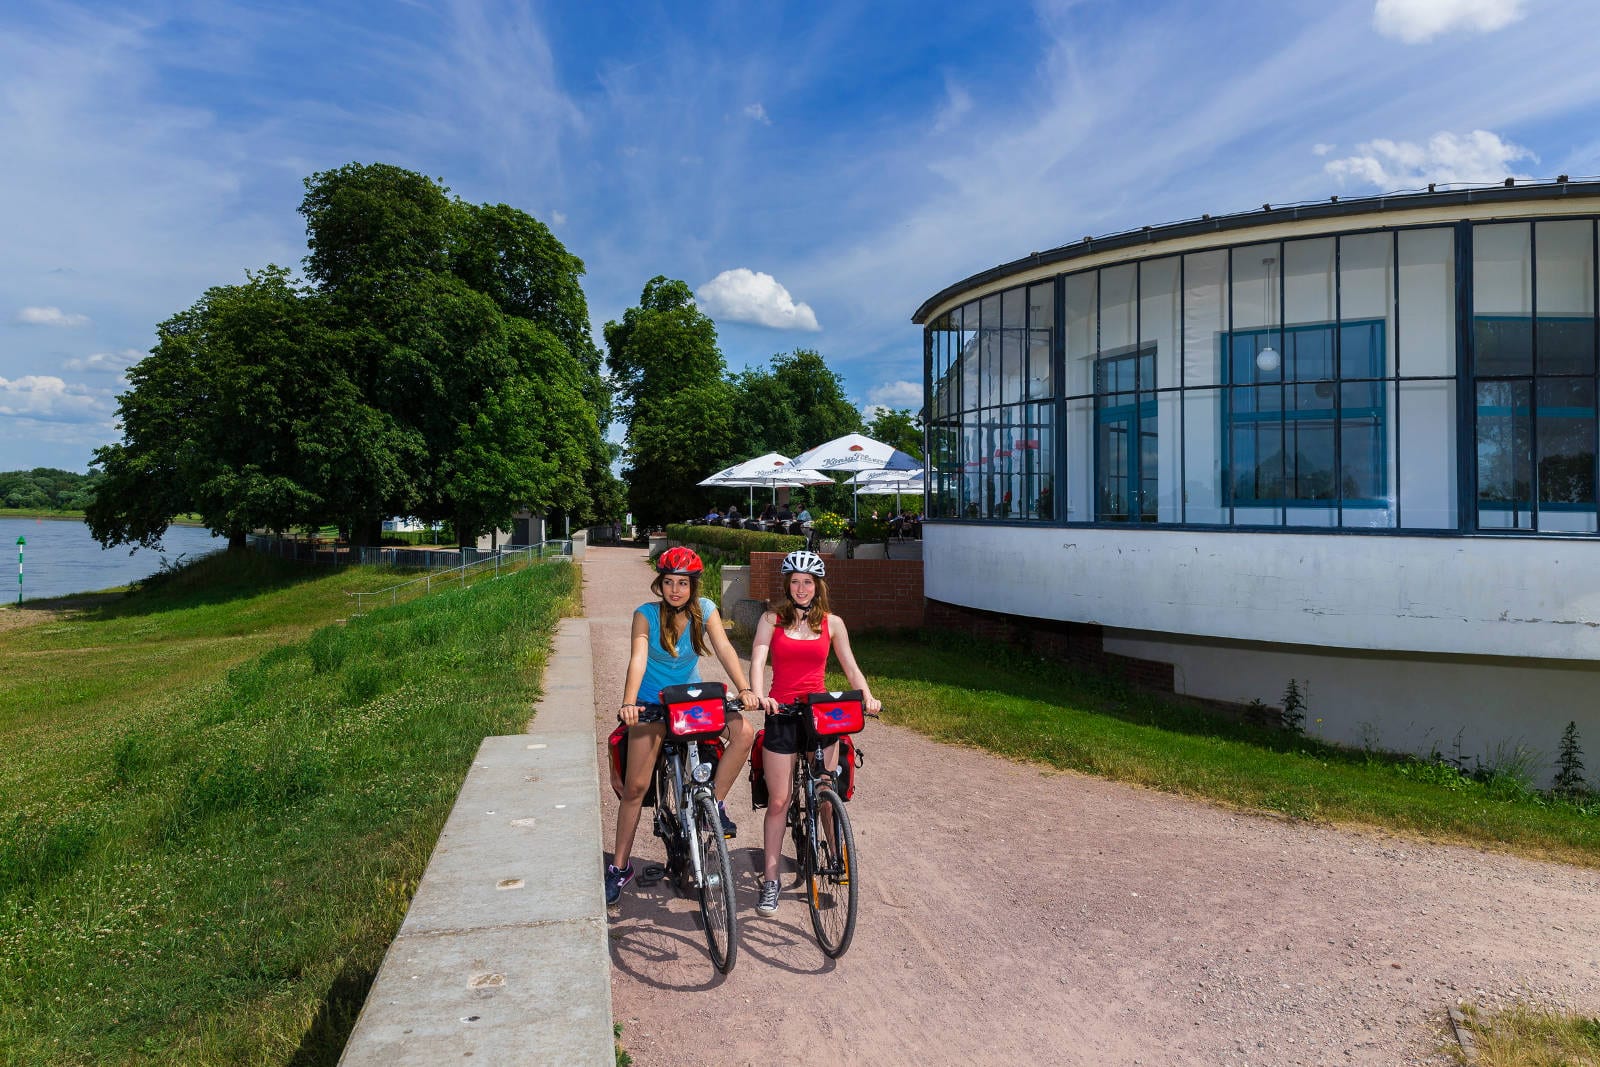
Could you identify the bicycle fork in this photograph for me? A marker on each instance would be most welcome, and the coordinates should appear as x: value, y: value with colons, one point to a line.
x: 689, y: 800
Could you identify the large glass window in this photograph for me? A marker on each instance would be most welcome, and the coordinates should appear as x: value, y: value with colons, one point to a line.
x: 1533, y: 328
x: 1314, y: 382
x: 992, y: 391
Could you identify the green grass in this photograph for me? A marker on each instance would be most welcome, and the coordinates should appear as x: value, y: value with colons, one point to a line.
x: 995, y: 697
x: 1525, y: 1035
x: 216, y: 800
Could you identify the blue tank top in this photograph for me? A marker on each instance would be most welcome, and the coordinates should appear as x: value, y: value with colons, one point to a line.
x: 662, y: 668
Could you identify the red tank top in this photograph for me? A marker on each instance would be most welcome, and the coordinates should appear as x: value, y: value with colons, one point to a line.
x: 798, y: 667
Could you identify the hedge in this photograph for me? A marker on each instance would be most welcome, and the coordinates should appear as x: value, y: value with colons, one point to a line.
x: 735, y: 543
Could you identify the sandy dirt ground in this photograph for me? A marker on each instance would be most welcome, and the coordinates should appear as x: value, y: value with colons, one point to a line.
x: 1013, y: 914
x: 28, y: 613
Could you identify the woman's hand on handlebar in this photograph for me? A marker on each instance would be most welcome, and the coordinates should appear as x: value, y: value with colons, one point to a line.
x: 874, y: 706
x: 767, y: 704
x: 629, y: 714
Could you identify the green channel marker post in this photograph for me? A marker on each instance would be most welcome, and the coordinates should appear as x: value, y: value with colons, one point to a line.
x: 21, y: 541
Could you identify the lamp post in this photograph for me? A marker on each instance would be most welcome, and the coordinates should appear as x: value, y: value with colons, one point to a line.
x: 21, y: 541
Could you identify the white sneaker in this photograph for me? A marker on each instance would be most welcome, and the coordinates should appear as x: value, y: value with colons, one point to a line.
x: 768, y: 904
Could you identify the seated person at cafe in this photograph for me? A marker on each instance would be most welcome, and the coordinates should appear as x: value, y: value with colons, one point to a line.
x: 713, y: 515
x: 805, y: 515
x: 768, y: 513
x: 784, y: 514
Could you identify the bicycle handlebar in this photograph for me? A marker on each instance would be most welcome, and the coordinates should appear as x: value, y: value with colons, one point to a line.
x: 650, y: 711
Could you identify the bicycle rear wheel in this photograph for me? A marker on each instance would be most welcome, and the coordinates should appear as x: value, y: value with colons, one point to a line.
x: 832, y: 881
x: 669, y: 828
x: 716, y: 887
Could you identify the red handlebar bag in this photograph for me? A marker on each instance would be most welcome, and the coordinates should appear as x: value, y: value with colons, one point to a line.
x: 833, y: 714
x: 696, y: 709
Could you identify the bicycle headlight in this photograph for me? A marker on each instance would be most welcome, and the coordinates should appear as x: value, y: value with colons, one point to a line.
x: 702, y: 773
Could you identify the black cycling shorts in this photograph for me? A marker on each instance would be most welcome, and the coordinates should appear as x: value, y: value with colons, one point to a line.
x: 783, y: 735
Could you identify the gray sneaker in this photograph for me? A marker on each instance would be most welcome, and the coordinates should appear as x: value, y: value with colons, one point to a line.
x: 768, y: 904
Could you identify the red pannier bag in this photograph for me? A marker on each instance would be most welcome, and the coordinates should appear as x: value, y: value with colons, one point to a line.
x: 711, y: 750
x: 695, y: 710
x: 758, y: 773
x: 833, y: 714
x: 849, y: 759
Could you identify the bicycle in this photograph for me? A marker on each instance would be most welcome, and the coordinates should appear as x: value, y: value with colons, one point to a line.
x: 827, y: 859
x: 686, y: 816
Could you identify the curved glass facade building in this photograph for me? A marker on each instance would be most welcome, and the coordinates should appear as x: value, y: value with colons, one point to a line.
x: 1396, y: 396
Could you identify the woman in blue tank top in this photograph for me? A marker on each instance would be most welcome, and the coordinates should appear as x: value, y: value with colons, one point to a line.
x: 669, y: 636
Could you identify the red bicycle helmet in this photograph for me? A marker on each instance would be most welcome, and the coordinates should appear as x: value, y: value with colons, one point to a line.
x: 679, y: 560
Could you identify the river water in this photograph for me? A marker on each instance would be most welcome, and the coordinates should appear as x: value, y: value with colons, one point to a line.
x: 60, y: 557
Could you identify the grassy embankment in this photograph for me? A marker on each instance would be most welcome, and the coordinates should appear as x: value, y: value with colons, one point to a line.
x: 998, y: 698
x: 215, y: 801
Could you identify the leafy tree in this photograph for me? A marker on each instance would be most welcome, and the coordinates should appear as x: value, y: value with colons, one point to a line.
x: 434, y: 297
x: 672, y: 395
x: 215, y: 416
x: 46, y: 488
x: 439, y: 366
x: 901, y: 429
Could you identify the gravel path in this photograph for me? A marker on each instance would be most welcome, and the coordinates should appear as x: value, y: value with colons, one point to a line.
x: 1013, y: 914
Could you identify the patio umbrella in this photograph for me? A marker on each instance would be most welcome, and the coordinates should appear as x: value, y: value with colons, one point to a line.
x: 884, y: 482
x: 769, y: 471
x: 853, y: 453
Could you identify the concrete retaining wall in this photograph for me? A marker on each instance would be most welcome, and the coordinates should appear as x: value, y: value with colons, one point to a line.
x: 502, y: 956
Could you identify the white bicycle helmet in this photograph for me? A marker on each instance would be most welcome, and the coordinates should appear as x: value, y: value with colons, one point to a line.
x: 802, y: 561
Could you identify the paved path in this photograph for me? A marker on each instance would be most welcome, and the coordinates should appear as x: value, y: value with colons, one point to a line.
x: 1017, y: 915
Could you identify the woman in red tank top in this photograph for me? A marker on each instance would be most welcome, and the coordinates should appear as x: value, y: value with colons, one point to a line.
x: 797, y: 639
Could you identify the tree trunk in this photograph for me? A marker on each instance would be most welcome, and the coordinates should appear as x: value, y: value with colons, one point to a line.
x: 238, y: 540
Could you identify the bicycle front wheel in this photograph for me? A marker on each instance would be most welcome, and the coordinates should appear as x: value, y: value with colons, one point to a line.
x: 716, y: 887
x: 832, y: 881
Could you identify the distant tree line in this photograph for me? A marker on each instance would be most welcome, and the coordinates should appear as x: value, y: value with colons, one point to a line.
x: 435, y: 361
x: 47, y: 489
x: 687, y: 418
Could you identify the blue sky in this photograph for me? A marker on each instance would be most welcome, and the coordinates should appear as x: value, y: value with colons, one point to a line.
x: 813, y: 171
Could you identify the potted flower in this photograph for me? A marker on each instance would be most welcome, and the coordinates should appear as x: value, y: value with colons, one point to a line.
x: 829, y: 528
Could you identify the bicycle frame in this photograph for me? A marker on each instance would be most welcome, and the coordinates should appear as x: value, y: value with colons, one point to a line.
x: 676, y: 753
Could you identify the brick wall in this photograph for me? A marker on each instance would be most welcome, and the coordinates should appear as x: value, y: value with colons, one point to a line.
x: 886, y: 594
x: 869, y: 594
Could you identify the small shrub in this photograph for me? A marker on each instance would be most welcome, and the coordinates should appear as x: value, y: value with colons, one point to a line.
x: 1569, y: 780
x: 870, y: 531
x: 735, y: 544
x: 1294, y: 708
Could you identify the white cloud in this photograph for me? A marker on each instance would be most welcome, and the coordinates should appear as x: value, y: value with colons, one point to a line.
x: 744, y: 295
x: 899, y: 395
x: 1479, y: 156
x: 1323, y: 149
x: 758, y: 112
x: 106, y: 362
x: 1417, y: 21
x: 559, y: 218
x: 49, y: 316
x: 49, y: 399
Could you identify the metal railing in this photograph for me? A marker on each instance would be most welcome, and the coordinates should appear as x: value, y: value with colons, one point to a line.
x: 316, y: 551
x: 462, y: 575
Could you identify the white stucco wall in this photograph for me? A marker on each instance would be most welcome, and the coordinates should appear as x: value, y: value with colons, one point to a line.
x: 1480, y: 709
x: 1483, y: 596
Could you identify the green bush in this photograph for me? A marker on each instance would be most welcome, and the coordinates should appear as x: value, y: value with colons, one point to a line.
x: 734, y: 544
x: 871, y: 531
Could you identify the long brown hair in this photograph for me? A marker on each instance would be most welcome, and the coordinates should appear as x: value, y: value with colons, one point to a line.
x: 788, y: 611
x: 672, y: 621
